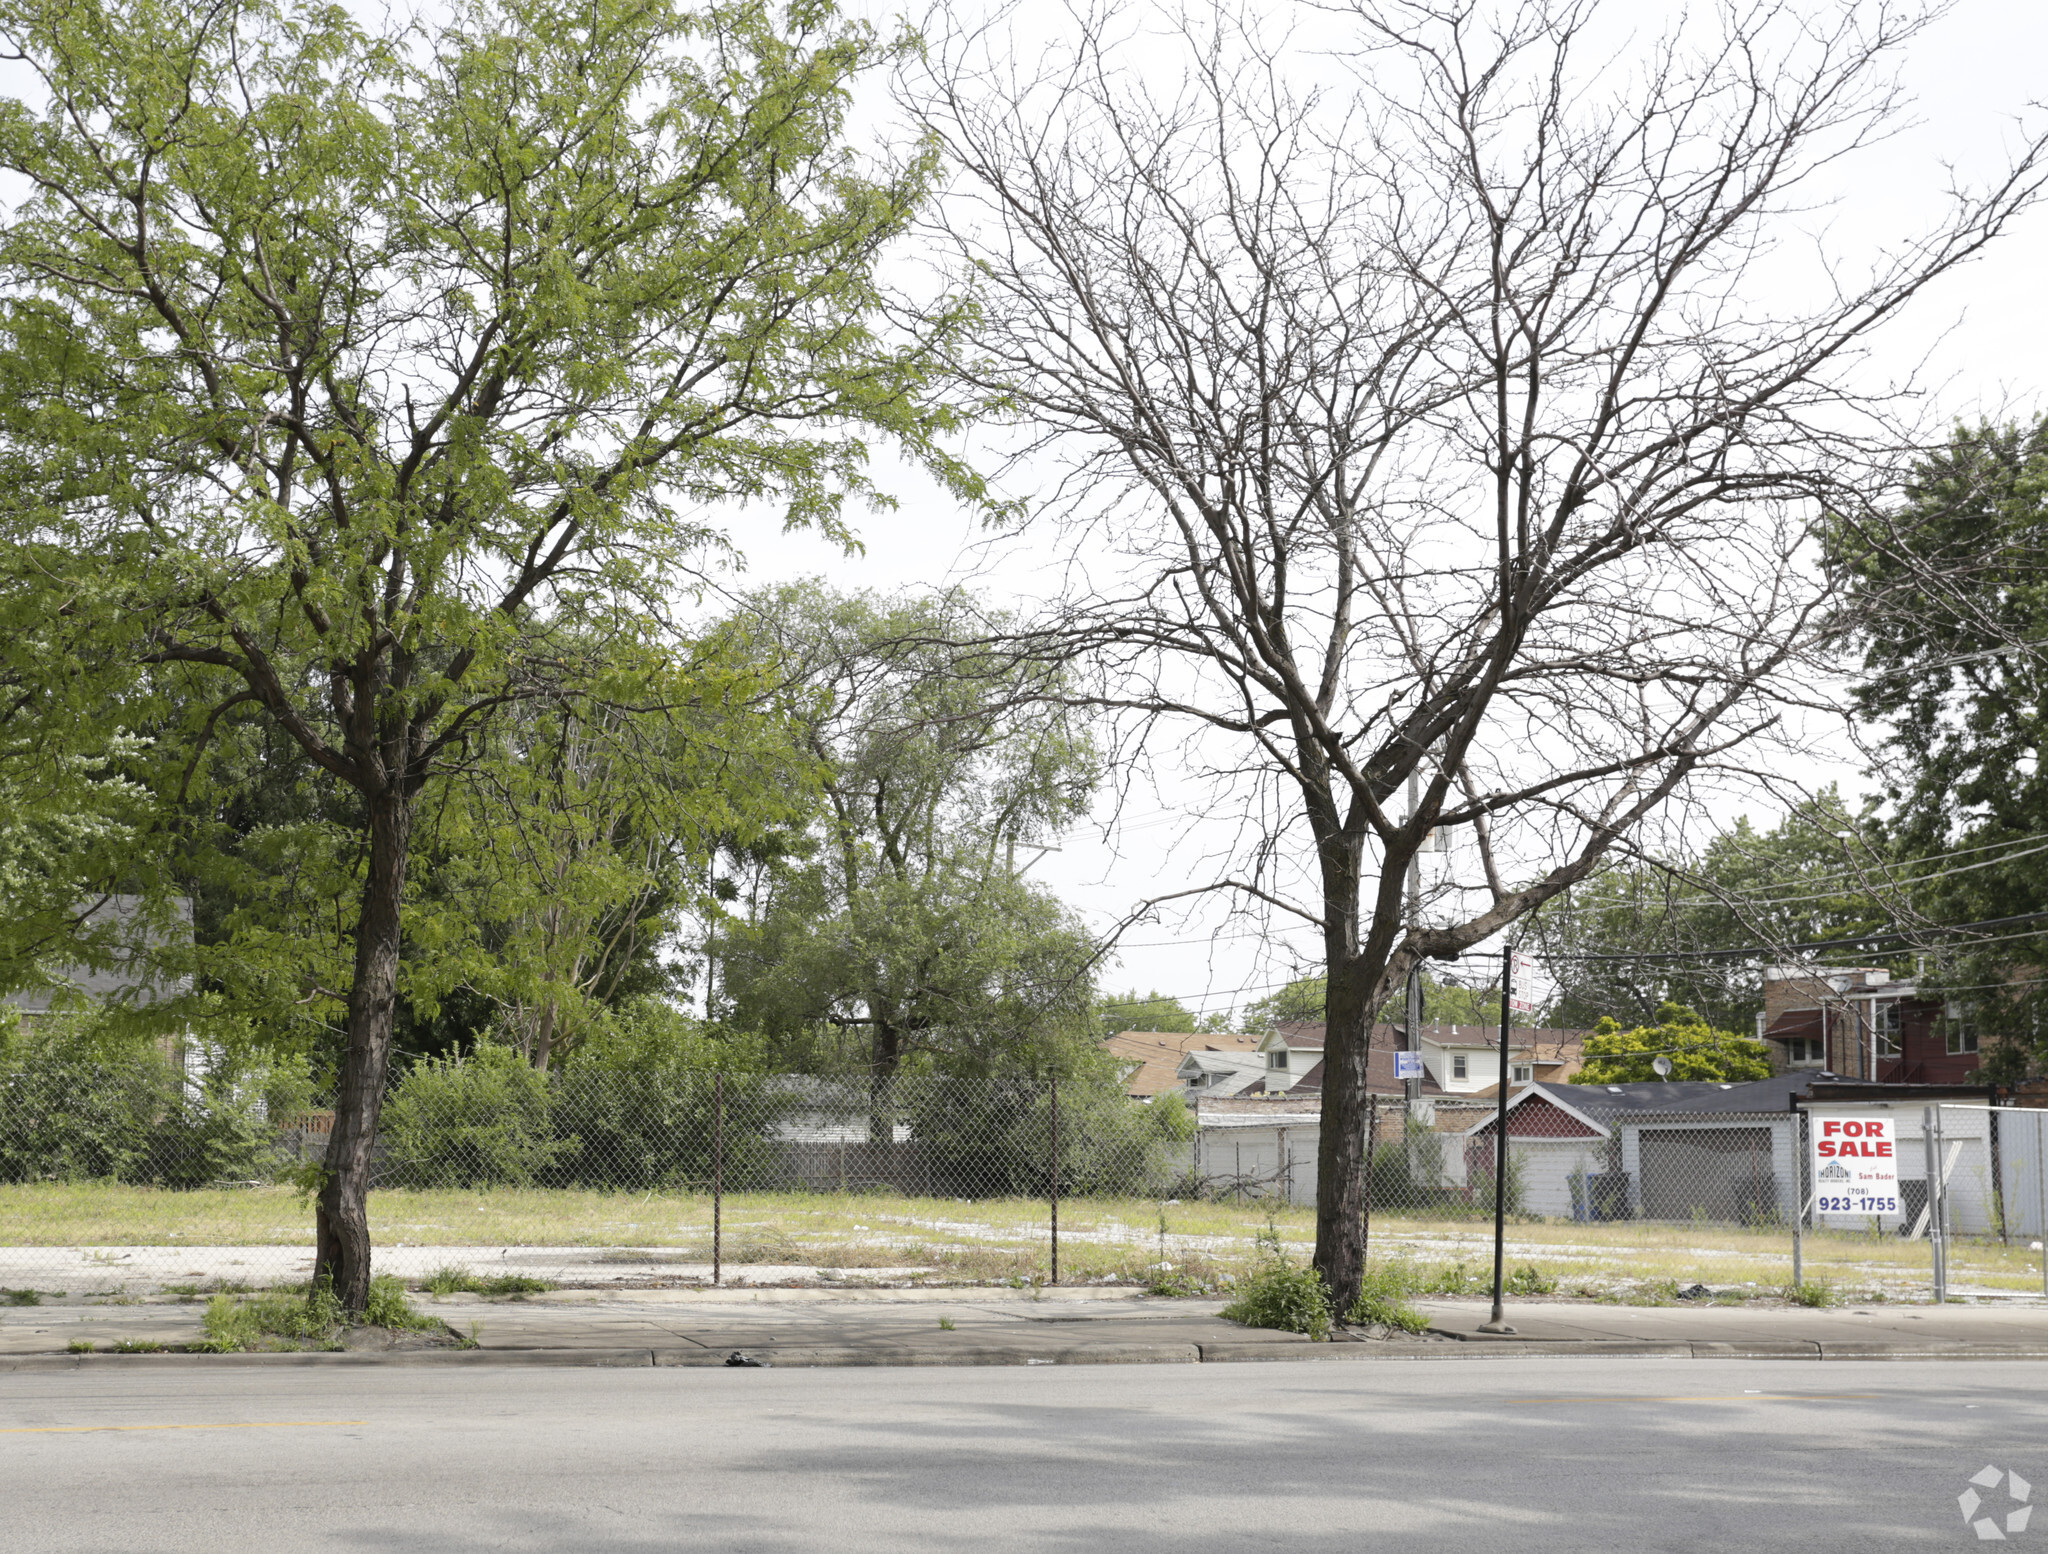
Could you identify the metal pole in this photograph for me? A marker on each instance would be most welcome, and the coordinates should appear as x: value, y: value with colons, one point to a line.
x: 1497, y: 1322
x: 717, y: 1178
x: 1055, y: 1180
x: 1930, y: 1147
x: 1412, y: 1005
x: 1798, y: 1196
x: 2041, y: 1168
x: 1941, y: 1205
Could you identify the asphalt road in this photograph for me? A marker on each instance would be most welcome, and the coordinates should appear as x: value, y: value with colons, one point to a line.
x: 1513, y: 1454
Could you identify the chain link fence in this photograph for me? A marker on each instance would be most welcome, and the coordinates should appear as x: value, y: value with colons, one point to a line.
x: 124, y: 1183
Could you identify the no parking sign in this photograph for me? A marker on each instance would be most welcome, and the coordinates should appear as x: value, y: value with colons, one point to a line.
x: 1855, y: 1165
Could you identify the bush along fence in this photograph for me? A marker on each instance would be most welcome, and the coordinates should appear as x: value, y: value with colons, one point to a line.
x: 122, y: 1173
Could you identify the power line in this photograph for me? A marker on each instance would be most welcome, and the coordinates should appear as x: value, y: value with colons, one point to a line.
x: 1871, y: 941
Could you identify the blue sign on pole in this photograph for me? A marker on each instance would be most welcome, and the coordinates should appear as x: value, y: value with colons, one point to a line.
x: 1407, y: 1065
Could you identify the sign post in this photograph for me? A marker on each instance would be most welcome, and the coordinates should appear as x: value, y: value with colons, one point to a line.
x: 1497, y: 1323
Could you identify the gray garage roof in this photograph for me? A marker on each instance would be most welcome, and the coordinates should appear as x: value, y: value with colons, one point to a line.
x: 1690, y: 1096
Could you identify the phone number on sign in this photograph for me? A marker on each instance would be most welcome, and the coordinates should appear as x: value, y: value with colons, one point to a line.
x: 1858, y: 1205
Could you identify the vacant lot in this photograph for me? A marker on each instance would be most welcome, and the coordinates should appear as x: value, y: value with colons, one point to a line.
x: 1180, y: 1244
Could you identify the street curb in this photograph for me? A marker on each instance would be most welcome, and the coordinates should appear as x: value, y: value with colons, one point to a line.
x: 850, y: 1356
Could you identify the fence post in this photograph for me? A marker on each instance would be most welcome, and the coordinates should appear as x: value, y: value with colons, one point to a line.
x: 2041, y: 1172
x: 717, y: 1178
x: 1798, y: 1194
x: 1932, y: 1145
x: 1055, y: 1180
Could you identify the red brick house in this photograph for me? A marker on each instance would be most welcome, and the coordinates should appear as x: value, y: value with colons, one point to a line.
x: 1856, y: 1022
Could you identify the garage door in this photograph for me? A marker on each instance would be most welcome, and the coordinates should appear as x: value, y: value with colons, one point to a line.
x: 1718, y: 1174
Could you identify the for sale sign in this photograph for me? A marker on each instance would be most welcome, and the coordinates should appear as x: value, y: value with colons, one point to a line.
x: 1855, y: 1165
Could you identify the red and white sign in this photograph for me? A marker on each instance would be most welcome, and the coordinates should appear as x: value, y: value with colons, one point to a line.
x: 1855, y: 1164
x: 1524, y: 997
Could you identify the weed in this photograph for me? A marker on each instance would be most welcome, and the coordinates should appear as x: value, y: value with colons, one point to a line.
x: 20, y: 1298
x: 388, y: 1307
x: 1811, y: 1292
x: 945, y: 1324
x: 1281, y: 1294
x: 136, y: 1346
x: 454, y: 1279
x: 79, y: 1346
x: 475, y: 1340
x: 1530, y: 1280
x: 288, y: 1319
x: 1383, y: 1297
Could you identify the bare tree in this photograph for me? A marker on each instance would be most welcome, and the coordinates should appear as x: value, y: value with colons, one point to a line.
x: 1427, y: 420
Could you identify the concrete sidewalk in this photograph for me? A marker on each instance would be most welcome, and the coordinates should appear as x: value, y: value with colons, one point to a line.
x: 1001, y: 1327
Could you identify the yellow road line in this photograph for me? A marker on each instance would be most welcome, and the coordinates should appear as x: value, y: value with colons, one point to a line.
x: 1723, y: 1397
x: 258, y: 1424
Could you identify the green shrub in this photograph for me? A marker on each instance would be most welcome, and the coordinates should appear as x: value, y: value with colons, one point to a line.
x: 478, y: 1121
x: 1282, y: 1295
x: 1811, y: 1292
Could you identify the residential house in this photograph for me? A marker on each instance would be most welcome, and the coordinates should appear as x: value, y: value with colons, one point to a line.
x: 1150, y: 1060
x: 1210, y: 1073
x: 1456, y: 1059
x: 1855, y: 1022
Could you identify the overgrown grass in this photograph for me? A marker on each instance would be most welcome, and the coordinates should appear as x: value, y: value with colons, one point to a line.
x: 20, y: 1297
x: 311, y: 1318
x: 453, y: 1279
x: 1209, y: 1246
x: 1811, y: 1292
x: 1384, y: 1294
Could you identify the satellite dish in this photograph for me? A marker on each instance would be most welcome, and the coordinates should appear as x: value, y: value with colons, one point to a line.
x: 1662, y: 1065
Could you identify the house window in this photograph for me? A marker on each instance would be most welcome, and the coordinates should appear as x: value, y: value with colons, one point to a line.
x: 1458, y: 1068
x: 1523, y: 1072
x: 1962, y: 1037
x: 1277, y: 1058
x: 1885, y: 1026
x: 1803, y: 1052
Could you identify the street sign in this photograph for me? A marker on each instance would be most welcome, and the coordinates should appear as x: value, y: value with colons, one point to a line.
x: 1855, y: 1165
x: 1407, y: 1065
x: 1522, y: 999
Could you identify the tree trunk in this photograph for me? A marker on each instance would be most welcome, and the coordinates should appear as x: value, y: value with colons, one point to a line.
x: 885, y: 1059
x: 1340, y: 1163
x: 342, y: 1223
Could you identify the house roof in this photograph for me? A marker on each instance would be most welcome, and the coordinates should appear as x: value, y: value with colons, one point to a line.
x: 1550, y: 1044
x: 118, y: 924
x: 1151, y: 1059
x: 1542, y: 1098
x: 1691, y: 1095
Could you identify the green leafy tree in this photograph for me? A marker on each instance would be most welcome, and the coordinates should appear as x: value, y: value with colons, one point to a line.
x: 1709, y: 924
x: 1156, y: 1011
x: 1697, y: 1051
x: 1443, y: 1003
x: 374, y: 382
x: 1949, y: 606
x: 901, y: 926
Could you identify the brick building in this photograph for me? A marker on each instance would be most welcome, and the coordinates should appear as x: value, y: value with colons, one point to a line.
x: 1856, y: 1022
